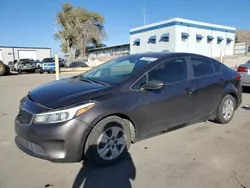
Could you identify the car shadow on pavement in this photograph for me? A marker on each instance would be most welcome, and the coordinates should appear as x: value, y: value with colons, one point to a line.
x: 117, y: 175
x: 12, y: 74
x: 246, y: 90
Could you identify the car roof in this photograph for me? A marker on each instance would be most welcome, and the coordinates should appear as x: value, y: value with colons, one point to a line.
x: 167, y: 54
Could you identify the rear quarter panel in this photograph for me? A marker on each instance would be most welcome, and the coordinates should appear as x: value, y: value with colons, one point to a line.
x: 233, y: 86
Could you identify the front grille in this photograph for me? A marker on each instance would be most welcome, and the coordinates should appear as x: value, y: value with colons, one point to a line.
x: 24, y: 117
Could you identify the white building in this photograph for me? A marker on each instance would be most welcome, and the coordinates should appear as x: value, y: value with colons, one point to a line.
x: 11, y: 53
x: 181, y: 35
x: 116, y: 50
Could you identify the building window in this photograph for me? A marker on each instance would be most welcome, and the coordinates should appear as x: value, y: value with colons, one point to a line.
x: 219, y: 40
x: 229, y: 40
x: 137, y: 42
x: 164, y: 37
x: 152, y: 39
x: 210, y: 38
x: 199, y: 38
x: 184, y: 36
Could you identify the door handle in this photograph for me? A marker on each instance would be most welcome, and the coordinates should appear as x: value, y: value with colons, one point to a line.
x: 189, y: 91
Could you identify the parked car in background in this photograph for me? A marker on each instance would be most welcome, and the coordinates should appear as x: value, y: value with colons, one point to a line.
x: 244, y: 71
x: 78, y: 64
x: 47, y: 65
x: 62, y: 62
x: 52, y: 60
x: 98, y: 114
x: 25, y: 65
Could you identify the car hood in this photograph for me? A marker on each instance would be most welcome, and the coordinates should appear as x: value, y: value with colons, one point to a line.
x: 65, y: 92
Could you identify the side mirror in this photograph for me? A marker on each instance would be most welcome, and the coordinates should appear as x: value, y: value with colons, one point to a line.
x: 153, y: 85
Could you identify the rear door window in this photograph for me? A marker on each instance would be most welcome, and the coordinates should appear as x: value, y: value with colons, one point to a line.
x: 217, y: 67
x: 201, y: 67
x: 170, y: 71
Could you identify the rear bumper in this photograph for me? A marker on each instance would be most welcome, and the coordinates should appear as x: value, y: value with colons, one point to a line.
x: 60, y: 142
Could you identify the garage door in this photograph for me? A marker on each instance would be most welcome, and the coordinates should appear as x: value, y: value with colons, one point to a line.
x: 1, y: 57
x: 27, y: 54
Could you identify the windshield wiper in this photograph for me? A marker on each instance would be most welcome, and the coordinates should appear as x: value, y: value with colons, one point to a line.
x: 86, y: 80
x: 90, y: 80
x: 98, y: 82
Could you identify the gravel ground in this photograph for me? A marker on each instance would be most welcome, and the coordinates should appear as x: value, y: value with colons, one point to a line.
x: 201, y: 155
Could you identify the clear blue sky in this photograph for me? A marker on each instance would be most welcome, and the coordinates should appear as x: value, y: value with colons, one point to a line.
x: 30, y: 22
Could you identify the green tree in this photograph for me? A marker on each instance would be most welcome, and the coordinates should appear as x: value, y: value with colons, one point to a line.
x: 77, y: 29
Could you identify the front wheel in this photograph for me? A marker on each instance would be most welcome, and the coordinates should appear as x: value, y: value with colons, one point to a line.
x: 108, y: 141
x: 2, y: 68
x: 225, y: 111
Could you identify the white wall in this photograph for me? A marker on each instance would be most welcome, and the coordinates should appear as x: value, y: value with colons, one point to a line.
x: 203, y: 47
x: 159, y: 46
x: 41, y: 53
x: 176, y: 43
x: 7, y: 55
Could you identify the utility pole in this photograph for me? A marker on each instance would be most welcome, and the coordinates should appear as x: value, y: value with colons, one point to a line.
x: 144, y: 14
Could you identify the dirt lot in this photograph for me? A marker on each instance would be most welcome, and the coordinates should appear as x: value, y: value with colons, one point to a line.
x: 201, y: 155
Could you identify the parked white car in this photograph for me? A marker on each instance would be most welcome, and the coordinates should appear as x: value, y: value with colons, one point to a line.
x: 244, y: 71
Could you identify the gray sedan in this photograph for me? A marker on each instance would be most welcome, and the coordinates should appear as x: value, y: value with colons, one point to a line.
x: 244, y: 71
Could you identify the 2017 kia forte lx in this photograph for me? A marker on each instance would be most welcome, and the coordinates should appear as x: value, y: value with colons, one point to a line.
x: 98, y: 114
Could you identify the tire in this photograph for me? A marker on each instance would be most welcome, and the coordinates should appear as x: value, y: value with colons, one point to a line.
x: 2, y: 68
x: 223, y: 119
x: 19, y: 71
x: 95, y: 141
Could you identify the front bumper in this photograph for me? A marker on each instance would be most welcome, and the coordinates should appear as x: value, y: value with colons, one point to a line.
x: 245, y: 79
x: 59, y: 142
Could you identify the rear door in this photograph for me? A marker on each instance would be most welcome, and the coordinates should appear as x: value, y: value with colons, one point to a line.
x: 208, y: 82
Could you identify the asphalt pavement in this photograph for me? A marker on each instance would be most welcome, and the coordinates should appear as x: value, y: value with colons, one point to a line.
x: 198, y: 156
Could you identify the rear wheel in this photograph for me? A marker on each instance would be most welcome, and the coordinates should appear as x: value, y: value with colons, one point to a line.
x: 2, y: 68
x: 108, y: 141
x: 225, y: 111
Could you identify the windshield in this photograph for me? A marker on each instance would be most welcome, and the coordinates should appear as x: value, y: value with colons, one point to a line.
x: 48, y: 60
x: 119, y: 69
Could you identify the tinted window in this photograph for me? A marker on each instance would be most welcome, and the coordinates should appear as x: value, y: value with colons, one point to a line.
x: 202, y: 67
x: 217, y: 67
x: 170, y: 71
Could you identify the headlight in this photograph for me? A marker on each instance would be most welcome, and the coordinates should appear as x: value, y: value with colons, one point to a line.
x: 62, y: 115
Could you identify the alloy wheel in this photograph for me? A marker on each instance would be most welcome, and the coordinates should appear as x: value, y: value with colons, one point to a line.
x: 227, y: 109
x: 111, y: 143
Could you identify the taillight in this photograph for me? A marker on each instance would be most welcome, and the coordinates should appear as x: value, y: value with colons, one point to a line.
x: 242, y: 69
x: 238, y: 77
